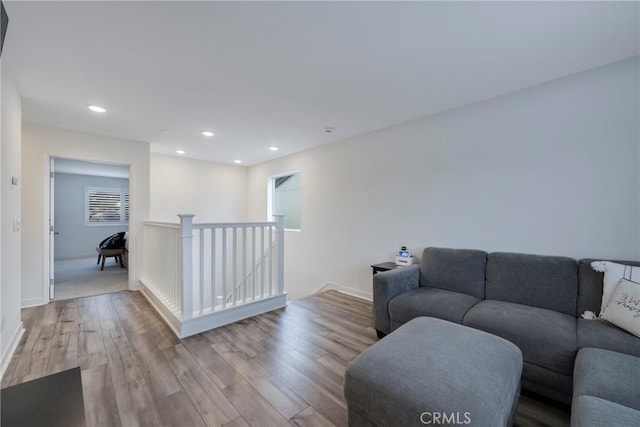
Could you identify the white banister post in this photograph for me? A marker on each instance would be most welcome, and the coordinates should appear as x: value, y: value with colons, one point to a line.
x: 280, y: 245
x: 186, y: 233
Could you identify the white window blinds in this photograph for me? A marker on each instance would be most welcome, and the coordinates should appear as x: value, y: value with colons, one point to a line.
x: 107, y: 206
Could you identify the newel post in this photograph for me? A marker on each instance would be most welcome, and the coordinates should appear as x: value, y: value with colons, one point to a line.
x: 280, y: 246
x: 186, y: 233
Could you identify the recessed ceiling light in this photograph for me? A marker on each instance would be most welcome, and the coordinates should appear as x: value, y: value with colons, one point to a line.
x: 273, y: 148
x: 237, y: 161
x: 207, y: 133
x: 328, y: 129
x: 180, y: 151
x: 164, y: 131
x: 97, y: 109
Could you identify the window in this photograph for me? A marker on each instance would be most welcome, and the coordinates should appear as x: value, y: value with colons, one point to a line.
x: 285, y: 198
x: 107, y: 206
x: 126, y: 207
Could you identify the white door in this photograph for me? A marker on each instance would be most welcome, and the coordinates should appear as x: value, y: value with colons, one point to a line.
x: 51, y: 223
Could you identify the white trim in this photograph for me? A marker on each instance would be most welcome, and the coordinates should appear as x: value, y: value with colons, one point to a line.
x: 33, y: 302
x: 8, y: 354
x: 163, y: 224
x: 230, y: 224
x: 195, y: 325
x: 132, y: 268
x: 346, y: 290
x: 46, y: 200
x: 232, y: 314
x: 170, y: 319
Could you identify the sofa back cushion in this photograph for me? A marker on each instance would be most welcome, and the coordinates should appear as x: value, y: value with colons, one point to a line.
x: 549, y: 282
x: 590, y: 285
x: 458, y: 270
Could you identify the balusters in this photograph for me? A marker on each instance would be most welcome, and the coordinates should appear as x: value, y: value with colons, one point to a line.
x: 244, y: 265
x: 197, y: 269
x: 280, y: 246
x: 161, y: 262
x: 201, y: 278
x: 253, y: 263
x: 224, y: 268
x: 235, y: 265
x: 265, y: 253
x: 270, y: 260
x: 214, y: 299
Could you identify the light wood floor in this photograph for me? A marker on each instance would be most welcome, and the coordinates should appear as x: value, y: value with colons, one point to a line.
x: 281, y: 368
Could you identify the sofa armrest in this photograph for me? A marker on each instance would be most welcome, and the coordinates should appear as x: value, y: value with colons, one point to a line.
x: 386, y: 286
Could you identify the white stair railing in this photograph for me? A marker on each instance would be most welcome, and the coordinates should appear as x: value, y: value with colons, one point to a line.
x: 162, y: 271
x: 250, y: 274
x: 198, y: 270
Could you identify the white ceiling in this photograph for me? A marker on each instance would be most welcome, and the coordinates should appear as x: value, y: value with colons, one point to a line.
x: 263, y: 73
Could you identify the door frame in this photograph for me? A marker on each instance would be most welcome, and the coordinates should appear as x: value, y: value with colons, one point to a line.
x: 47, y: 206
x: 52, y: 227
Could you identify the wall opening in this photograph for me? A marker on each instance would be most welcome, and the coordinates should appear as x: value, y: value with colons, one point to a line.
x: 89, y: 202
x: 285, y: 198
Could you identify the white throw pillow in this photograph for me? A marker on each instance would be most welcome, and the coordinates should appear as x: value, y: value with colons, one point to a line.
x: 613, y: 272
x: 623, y: 309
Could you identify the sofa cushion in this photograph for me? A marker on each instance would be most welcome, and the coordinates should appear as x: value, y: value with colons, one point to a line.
x: 608, y: 375
x: 549, y: 282
x: 547, y: 383
x: 590, y: 286
x: 547, y: 338
x: 601, y: 334
x: 613, y: 273
x: 623, y: 309
x: 458, y: 270
x: 589, y: 411
x: 430, y: 302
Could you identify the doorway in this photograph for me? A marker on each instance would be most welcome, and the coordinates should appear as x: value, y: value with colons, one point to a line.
x: 89, y: 203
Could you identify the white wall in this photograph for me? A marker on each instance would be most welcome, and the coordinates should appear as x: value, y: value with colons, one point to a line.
x: 214, y: 192
x: 552, y: 169
x: 10, y: 211
x: 38, y: 144
x: 76, y: 239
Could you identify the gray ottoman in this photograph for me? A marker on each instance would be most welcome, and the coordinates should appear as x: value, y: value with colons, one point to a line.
x: 430, y: 371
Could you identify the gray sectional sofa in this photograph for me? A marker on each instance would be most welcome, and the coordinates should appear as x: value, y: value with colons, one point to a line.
x: 606, y: 389
x: 533, y: 301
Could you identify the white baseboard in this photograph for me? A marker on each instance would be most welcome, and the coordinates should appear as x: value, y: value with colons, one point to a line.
x: 32, y: 302
x: 346, y: 290
x: 8, y: 354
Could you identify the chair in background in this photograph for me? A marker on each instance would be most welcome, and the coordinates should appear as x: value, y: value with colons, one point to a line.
x: 112, y: 246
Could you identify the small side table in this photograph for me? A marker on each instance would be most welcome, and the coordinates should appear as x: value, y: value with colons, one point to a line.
x: 383, y: 266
